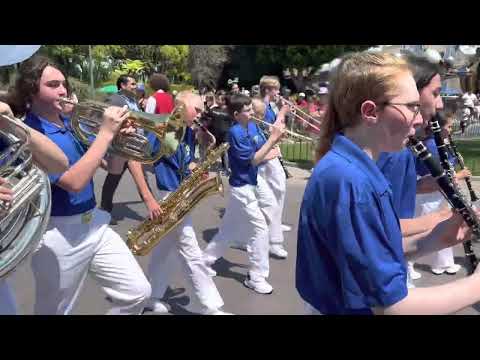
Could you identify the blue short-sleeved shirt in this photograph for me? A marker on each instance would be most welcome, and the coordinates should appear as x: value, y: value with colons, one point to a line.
x: 399, y: 169
x: 349, y: 251
x: 170, y: 171
x: 3, y: 147
x: 243, y: 146
x: 259, y: 140
x: 432, y: 147
x: 64, y: 203
x: 270, y: 115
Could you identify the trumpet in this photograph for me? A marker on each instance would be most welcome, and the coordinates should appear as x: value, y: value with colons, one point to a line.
x: 297, y: 109
x: 87, y: 117
x: 290, y: 133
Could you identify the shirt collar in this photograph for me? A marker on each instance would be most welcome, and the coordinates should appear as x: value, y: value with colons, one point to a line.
x: 48, y: 126
x: 353, y: 154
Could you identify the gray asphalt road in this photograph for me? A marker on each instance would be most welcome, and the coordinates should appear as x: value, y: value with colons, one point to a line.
x: 231, y: 271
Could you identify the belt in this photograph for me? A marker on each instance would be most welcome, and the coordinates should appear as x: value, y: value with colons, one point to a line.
x: 84, y: 218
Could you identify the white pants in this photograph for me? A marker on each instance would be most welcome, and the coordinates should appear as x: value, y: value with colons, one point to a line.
x: 243, y: 217
x: 8, y: 304
x: 70, y: 249
x: 180, y: 247
x: 273, y: 174
x: 426, y: 204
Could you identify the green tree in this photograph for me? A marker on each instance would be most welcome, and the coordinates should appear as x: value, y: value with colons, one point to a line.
x: 170, y: 60
x: 301, y: 62
x: 206, y: 63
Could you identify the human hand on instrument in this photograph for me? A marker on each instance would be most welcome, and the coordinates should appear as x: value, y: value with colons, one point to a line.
x: 113, y: 120
x: 5, y: 110
x: 455, y: 230
x: 277, y: 131
x: 192, y: 166
x: 6, y: 194
x: 463, y: 174
x: 154, y: 208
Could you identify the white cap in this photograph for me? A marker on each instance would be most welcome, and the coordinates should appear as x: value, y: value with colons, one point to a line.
x: 323, y: 90
x: 12, y: 54
x: 301, y: 94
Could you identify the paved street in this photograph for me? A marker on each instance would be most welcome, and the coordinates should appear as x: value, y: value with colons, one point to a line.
x: 231, y: 270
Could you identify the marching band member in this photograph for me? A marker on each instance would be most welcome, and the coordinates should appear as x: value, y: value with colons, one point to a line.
x: 274, y: 176
x: 351, y: 255
x: 78, y: 240
x: 272, y: 170
x: 180, y: 244
x: 244, y: 214
x: 440, y: 261
x: 399, y: 167
x: 45, y: 154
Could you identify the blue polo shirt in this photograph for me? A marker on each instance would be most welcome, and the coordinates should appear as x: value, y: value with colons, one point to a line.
x: 349, y: 250
x: 244, y: 144
x: 270, y: 115
x: 64, y: 203
x: 259, y: 140
x: 399, y: 169
x: 432, y: 147
x: 171, y: 170
x: 3, y: 147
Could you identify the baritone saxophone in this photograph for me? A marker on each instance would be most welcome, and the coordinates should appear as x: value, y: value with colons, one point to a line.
x: 143, y: 238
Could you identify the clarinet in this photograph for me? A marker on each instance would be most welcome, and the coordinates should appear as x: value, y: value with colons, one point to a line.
x: 473, y: 196
x: 280, y: 159
x: 452, y: 195
x: 442, y: 147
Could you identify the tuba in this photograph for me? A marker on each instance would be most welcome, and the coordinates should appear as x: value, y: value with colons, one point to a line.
x: 87, y: 117
x: 24, y: 219
x: 143, y: 238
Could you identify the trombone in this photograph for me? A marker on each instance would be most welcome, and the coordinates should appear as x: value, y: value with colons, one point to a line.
x: 87, y: 117
x: 288, y: 132
x: 297, y: 109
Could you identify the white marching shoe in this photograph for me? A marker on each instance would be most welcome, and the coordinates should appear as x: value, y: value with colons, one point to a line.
x: 156, y: 306
x: 414, y: 275
x: 216, y: 312
x: 278, y: 251
x: 260, y: 286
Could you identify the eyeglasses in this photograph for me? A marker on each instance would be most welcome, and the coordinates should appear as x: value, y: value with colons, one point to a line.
x: 412, y: 106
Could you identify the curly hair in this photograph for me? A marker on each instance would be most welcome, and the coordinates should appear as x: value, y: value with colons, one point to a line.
x: 159, y: 82
x: 27, y: 83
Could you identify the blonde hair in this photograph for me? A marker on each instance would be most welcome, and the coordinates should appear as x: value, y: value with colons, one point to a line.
x: 268, y: 82
x: 359, y: 77
x: 258, y: 107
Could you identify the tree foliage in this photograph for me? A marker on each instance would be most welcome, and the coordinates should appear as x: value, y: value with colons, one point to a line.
x: 304, y: 56
x: 206, y: 63
x: 301, y: 62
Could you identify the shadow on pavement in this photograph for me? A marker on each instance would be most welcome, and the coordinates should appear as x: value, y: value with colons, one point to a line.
x: 121, y: 211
